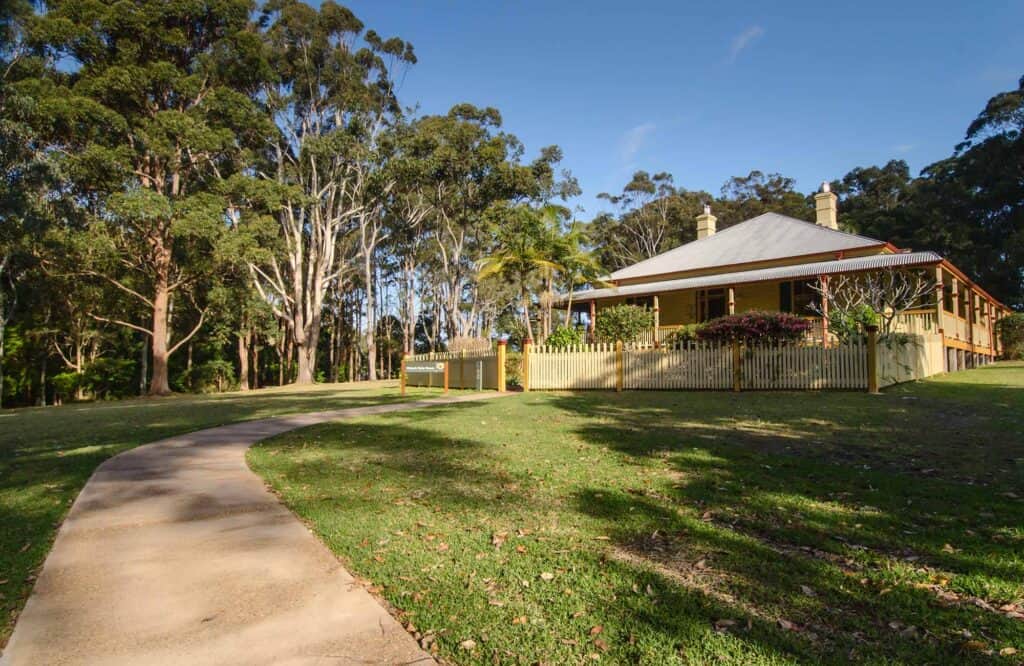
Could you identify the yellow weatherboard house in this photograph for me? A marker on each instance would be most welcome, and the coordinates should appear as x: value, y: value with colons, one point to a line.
x: 772, y: 262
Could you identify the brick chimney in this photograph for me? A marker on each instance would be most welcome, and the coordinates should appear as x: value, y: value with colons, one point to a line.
x: 825, y: 207
x: 706, y: 223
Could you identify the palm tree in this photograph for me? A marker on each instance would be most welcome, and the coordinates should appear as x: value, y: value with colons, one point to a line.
x: 579, y: 266
x: 523, y: 251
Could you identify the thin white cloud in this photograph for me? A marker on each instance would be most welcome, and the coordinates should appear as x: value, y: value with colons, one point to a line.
x: 633, y: 140
x: 903, y: 147
x: 743, y: 40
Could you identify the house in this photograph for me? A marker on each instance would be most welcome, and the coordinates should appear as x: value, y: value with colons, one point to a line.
x: 771, y: 261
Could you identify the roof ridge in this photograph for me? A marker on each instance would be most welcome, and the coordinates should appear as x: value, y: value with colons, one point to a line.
x: 695, y: 245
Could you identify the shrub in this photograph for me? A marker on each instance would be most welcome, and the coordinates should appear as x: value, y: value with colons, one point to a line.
x: 565, y: 336
x: 1011, y: 333
x: 622, y: 322
x: 214, y: 376
x: 850, y: 324
x: 513, y: 368
x: 65, y: 385
x: 755, y: 327
x: 683, y: 335
x: 110, y: 378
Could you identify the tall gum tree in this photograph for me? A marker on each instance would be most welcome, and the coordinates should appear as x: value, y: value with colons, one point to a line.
x: 331, y: 99
x: 153, y: 101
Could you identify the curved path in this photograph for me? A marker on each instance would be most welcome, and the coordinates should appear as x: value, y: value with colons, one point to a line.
x: 176, y: 553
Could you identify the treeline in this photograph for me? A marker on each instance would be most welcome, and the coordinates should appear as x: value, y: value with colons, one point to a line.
x: 205, y: 195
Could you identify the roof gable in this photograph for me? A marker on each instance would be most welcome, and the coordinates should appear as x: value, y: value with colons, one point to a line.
x: 763, y: 238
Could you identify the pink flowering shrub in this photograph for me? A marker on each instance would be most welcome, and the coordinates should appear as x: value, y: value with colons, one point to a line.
x: 755, y: 326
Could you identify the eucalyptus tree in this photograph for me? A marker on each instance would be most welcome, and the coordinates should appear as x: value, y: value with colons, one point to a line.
x: 150, y: 112
x: 331, y: 98
x: 642, y: 227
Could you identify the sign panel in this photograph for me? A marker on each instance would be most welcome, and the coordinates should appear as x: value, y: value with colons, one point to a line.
x: 424, y: 367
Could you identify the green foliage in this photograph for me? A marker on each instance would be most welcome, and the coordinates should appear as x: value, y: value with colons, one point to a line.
x: 213, y: 376
x: 513, y: 368
x: 683, y: 335
x: 66, y: 384
x: 1010, y: 330
x: 108, y: 378
x: 565, y: 336
x: 622, y: 322
x: 850, y: 325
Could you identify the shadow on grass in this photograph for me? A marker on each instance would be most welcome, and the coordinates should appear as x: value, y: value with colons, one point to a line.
x: 807, y: 526
x: 867, y: 501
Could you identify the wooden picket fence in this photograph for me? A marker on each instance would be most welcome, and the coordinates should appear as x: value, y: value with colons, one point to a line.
x: 707, y: 366
x: 801, y: 367
x: 590, y: 366
x: 725, y: 366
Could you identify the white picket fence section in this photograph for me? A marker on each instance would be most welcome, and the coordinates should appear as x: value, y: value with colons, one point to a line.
x: 697, y: 367
x: 573, y: 368
x: 802, y: 367
x: 710, y: 366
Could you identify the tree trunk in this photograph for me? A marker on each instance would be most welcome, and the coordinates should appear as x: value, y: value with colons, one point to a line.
x: 42, y: 381
x: 144, y: 366
x: 256, y: 348
x: 526, y: 315
x: 243, y: 359
x: 307, y: 363
x: 159, y: 384
x: 3, y: 328
x: 332, y: 366
x: 371, y: 315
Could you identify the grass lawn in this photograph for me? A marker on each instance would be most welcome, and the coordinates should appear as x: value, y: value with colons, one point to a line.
x: 47, y: 454
x: 666, y: 527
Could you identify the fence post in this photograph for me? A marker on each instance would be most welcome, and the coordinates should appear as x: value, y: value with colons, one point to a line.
x: 501, y: 366
x: 737, y: 368
x: 462, y: 369
x: 401, y: 381
x: 619, y: 366
x: 527, y: 346
x: 872, y: 358
x: 446, y: 365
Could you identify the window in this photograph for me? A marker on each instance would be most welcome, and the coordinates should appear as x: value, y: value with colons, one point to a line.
x: 641, y: 301
x: 797, y: 297
x: 964, y: 303
x: 973, y: 300
x: 711, y: 303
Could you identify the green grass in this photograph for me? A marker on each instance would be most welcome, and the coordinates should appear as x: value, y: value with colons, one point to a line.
x: 667, y: 527
x: 47, y: 454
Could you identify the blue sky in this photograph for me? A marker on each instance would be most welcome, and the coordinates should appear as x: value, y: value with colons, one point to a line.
x: 711, y: 90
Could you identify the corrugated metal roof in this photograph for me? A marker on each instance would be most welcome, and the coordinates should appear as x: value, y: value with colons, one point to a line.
x: 762, y: 238
x: 796, y: 271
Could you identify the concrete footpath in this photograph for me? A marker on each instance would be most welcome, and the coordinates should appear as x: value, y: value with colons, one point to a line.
x: 176, y: 553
